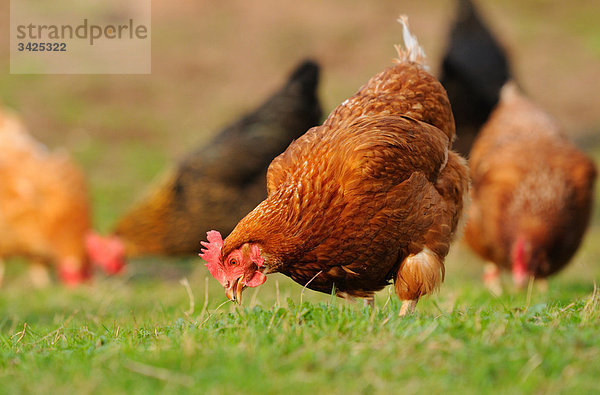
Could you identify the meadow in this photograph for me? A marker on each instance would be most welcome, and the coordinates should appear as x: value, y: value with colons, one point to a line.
x: 165, y: 325
x: 143, y: 334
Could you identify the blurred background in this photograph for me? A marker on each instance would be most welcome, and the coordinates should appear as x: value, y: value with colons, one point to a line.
x: 213, y: 61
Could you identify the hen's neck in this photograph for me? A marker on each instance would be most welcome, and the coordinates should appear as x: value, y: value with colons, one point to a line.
x: 289, y: 223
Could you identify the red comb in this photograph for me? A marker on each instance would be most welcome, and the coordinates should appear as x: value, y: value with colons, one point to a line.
x: 211, y: 253
x: 71, y: 273
x: 106, y: 252
x: 92, y: 241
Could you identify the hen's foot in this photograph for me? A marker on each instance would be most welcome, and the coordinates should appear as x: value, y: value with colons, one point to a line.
x: 408, y: 307
x: 491, y: 279
x: 39, y: 275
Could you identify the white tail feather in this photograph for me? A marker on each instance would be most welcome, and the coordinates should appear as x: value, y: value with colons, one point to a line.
x: 412, y: 51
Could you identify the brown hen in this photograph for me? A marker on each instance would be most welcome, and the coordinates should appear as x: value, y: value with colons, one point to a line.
x: 372, y: 196
x: 44, y: 206
x: 532, y: 192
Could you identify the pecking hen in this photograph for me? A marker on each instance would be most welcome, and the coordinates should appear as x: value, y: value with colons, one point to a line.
x: 532, y: 192
x: 474, y: 69
x: 44, y: 206
x: 218, y: 183
x: 372, y: 196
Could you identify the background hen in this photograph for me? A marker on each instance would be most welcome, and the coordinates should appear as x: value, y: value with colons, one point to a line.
x: 474, y: 69
x: 44, y: 207
x: 532, y: 192
x: 218, y: 183
x: 371, y: 196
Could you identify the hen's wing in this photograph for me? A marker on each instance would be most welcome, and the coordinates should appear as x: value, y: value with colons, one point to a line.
x: 372, y: 238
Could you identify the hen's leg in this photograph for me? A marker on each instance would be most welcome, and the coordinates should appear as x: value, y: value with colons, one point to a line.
x: 491, y: 278
x: 1, y: 271
x: 408, y: 307
x: 39, y: 275
x: 369, y: 301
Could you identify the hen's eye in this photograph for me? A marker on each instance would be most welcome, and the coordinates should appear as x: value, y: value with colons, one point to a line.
x: 233, y: 262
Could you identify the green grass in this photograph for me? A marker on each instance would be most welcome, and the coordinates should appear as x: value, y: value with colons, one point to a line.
x: 144, y: 334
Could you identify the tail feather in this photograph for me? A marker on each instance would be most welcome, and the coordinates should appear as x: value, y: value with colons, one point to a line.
x: 420, y: 274
x: 412, y: 51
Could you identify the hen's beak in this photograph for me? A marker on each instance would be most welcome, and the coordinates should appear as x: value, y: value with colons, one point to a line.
x: 234, y: 291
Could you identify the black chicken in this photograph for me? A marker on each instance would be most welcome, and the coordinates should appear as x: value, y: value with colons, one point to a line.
x: 474, y: 70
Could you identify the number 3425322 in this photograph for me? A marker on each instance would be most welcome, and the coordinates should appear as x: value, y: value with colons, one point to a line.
x: 42, y: 47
